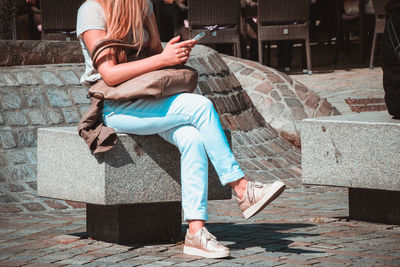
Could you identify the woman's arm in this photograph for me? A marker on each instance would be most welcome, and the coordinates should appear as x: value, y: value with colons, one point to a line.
x: 112, y: 73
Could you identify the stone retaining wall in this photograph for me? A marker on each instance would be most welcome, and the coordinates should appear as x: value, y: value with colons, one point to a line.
x: 282, y: 101
x: 34, y: 52
x: 50, y: 95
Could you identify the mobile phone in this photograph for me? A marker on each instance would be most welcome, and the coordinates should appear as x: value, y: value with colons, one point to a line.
x: 199, y: 36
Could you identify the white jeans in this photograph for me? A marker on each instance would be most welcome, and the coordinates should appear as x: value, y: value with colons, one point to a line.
x: 190, y: 122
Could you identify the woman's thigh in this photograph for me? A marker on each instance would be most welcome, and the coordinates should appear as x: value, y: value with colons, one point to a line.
x: 145, y: 117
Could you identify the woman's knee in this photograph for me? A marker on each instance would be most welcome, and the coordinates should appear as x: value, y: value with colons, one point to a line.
x: 188, y: 136
x: 196, y: 100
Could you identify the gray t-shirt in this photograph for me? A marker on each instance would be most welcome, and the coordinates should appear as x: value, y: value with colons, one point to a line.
x: 91, y: 17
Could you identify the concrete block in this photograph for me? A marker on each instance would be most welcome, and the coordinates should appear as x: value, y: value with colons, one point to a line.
x: 356, y: 151
x: 381, y: 206
x: 139, y: 169
x: 134, y: 223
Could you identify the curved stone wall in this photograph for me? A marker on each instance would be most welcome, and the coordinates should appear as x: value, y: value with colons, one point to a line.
x: 50, y: 96
x: 282, y: 101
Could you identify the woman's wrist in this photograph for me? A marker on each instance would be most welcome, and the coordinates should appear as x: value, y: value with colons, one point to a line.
x: 160, y: 59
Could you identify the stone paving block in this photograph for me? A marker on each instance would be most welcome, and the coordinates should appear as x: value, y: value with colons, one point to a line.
x: 16, y: 156
x: 231, y: 107
x: 221, y: 63
x: 15, y: 187
x: 35, y: 117
x: 235, y: 84
x: 17, y: 173
x: 285, y: 91
x: 212, y: 61
x: 79, y: 96
x: 219, y: 105
x: 206, y: 66
x: 69, y: 77
x: 26, y: 137
x: 15, y: 118
x: 10, y: 99
x: 213, y: 85
x: 6, y: 79
x: 33, y: 98
x: 275, y: 78
x: 58, y: 97
x: 71, y: 114
x: 221, y: 85
x: 247, y: 71
x: 293, y: 102
x: 196, y: 65
x: 227, y: 85
x: 49, y: 78
x: 33, y: 206
x: 73, y: 261
x: 55, y: 116
x: 83, y: 109
x: 312, y: 100
x: 26, y: 78
x: 235, y: 67
x: 204, y: 87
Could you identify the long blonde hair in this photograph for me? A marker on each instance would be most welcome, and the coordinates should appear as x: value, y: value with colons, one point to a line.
x: 126, y: 16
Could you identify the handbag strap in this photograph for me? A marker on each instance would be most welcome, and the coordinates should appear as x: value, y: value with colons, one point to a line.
x: 103, y: 44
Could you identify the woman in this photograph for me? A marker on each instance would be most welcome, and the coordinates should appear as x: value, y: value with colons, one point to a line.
x: 188, y: 121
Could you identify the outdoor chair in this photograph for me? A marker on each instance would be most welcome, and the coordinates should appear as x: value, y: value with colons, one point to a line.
x: 59, y: 19
x: 280, y: 20
x: 347, y: 24
x: 380, y: 22
x: 208, y: 13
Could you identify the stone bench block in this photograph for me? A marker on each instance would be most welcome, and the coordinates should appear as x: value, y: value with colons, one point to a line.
x: 132, y: 192
x: 139, y: 169
x: 358, y: 151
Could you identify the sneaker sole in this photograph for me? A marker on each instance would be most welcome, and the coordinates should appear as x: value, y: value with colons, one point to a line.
x: 276, y: 189
x: 199, y: 252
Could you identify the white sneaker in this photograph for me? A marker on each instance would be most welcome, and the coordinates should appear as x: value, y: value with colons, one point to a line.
x: 205, y: 245
x: 258, y: 196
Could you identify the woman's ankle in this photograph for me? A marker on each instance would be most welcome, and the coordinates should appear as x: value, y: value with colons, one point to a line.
x: 240, y: 187
x: 195, y: 226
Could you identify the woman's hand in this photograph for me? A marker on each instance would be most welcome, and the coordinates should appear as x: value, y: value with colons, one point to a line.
x: 176, y: 52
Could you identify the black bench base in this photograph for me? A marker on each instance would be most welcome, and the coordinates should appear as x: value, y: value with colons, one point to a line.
x: 135, y: 223
x: 373, y: 205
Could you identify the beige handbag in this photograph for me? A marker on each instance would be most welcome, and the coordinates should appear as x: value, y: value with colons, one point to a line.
x: 155, y: 84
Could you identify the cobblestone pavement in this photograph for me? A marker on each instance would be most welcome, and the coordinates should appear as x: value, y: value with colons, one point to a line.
x: 336, y: 86
x: 305, y: 226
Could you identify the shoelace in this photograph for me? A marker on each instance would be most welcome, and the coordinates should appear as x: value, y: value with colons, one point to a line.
x: 209, y: 237
x: 253, y: 185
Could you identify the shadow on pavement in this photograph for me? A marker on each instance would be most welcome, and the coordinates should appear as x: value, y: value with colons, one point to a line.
x: 272, y: 237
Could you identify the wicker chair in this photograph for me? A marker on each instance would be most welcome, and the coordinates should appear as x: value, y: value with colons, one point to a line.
x: 224, y: 13
x: 380, y: 22
x: 283, y: 20
x: 59, y: 19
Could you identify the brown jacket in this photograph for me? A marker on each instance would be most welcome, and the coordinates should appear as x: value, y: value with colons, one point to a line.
x: 97, y: 136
